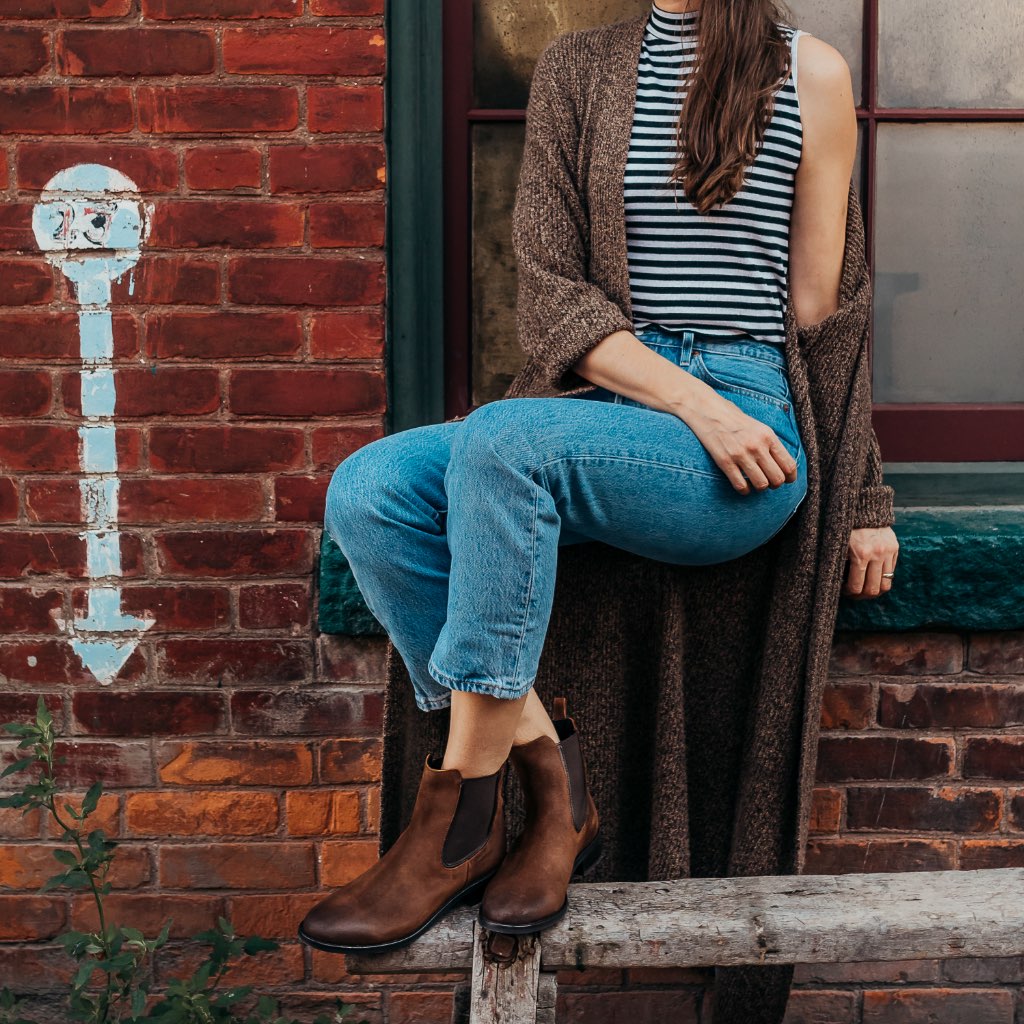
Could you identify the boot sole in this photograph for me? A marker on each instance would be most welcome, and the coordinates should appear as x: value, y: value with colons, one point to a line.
x: 472, y: 893
x: 585, y: 860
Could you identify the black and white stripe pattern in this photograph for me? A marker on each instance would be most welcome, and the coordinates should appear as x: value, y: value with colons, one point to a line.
x: 724, y: 273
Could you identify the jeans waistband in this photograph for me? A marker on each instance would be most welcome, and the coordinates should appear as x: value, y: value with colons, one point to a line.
x: 688, y: 339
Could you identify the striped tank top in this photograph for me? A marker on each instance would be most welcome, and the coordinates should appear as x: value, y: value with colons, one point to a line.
x: 722, y: 273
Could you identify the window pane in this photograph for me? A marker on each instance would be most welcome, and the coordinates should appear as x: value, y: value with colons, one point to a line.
x: 949, y: 307
x: 508, y: 38
x: 497, y: 151
x: 839, y: 23
x: 947, y: 53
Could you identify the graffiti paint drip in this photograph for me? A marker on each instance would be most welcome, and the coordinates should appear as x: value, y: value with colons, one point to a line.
x: 91, y: 228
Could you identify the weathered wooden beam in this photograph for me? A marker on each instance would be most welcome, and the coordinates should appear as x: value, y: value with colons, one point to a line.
x: 696, y: 922
x: 506, y: 971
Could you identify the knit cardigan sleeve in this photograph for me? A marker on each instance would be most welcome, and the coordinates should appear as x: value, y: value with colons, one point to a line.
x: 875, y: 499
x: 560, y: 315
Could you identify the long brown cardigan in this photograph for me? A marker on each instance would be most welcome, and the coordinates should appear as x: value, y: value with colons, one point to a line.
x: 697, y: 689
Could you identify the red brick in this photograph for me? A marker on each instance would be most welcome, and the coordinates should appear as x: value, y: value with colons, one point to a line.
x: 350, y: 760
x: 247, y: 224
x: 421, y: 1008
x: 237, y: 866
x: 222, y: 168
x: 918, y: 809
x: 817, y: 1007
x: 889, y: 972
x: 28, y: 867
x: 274, y: 606
x: 936, y: 706
x: 174, y: 609
x: 859, y: 653
x: 15, y: 222
x: 826, y: 810
x: 33, y: 969
x: 160, y: 391
x: 305, y: 281
x: 23, y: 51
x: 206, y: 812
x: 107, y: 816
x: 344, y: 860
x: 327, y: 167
x: 126, y: 52
x: 300, y: 499
x: 8, y: 500
x: 997, y: 652
x: 36, y: 446
x: 1016, y: 809
x: 225, y: 449
x: 333, y: 225
x: 273, y: 917
x: 29, y: 610
x: 332, y: 444
x: 25, y: 393
x: 119, y: 765
x: 991, y: 853
x: 678, y: 1007
x: 145, y: 713
x: 31, y: 918
x: 284, y: 966
x: 50, y: 662
x: 152, y: 168
x: 847, y: 706
x: 233, y: 763
x: 319, y: 813
x: 235, y: 552
x: 199, y: 108
x: 993, y: 757
x: 948, y: 1005
x: 308, y: 711
x: 65, y: 110
x: 223, y: 335
x: 302, y: 50
x: 346, y: 334
x: 38, y: 553
x: 373, y: 809
x: 51, y: 9
x: 236, y: 662
x: 16, y: 825
x: 842, y: 758
x: 24, y: 282
x: 175, y: 10
x: 170, y: 281
x: 345, y: 108
x: 839, y: 856
x: 351, y: 659
x: 150, y: 911
x: 51, y: 337
x: 304, y: 393
x: 345, y: 8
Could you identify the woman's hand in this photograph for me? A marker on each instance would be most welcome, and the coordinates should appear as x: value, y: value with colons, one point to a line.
x: 740, y: 444
x: 873, y: 550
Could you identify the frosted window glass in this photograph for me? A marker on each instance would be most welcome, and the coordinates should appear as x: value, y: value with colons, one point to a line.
x: 949, y: 264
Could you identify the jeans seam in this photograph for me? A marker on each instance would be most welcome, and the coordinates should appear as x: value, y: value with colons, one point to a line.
x: 622, y: 458
x: 508, y: 685
x: 533, y: 572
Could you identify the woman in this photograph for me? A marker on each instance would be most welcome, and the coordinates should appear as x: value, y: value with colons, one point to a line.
x: 679, y: 441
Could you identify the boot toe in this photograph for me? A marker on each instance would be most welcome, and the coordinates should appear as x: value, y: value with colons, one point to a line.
x: 519, y: 908
x: 333, y: 922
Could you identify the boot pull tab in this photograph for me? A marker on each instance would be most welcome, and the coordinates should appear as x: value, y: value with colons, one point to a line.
x: 560, y: 708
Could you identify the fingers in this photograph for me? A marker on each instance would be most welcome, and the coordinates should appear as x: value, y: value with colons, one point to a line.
x: 872, y: 552
x: 767, y: 463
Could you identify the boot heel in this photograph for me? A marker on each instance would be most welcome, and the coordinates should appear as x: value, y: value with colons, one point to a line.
x: 588, y: 857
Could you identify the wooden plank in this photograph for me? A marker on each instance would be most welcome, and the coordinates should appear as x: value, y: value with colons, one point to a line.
x: 696, y: 922
x: 504, y: 991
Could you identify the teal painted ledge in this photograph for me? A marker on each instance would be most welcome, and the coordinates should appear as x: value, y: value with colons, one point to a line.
x: 958, y: 568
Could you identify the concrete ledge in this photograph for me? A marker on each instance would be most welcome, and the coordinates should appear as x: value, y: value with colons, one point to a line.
x: 959, y: 568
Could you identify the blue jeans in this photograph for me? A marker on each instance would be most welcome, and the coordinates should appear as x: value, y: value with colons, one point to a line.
x: 452, y: 530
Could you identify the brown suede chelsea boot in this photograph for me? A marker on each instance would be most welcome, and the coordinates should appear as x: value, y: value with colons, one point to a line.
x: 561, y: 836
x: 451, y: 847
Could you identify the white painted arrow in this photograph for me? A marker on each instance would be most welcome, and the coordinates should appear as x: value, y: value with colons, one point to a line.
x: 92, y: 232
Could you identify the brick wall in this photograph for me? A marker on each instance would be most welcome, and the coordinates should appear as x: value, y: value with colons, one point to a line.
x: 238, y: 747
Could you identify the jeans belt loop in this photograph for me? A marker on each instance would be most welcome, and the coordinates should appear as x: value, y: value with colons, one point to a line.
x: 686, y: 350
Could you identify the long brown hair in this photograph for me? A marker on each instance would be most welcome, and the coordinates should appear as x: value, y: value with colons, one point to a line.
x: 741, y: 61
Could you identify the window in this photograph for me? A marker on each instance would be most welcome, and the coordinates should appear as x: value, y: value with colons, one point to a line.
x: 941, y: 113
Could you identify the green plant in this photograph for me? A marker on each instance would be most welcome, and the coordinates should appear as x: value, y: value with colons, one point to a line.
x: 111, y: 984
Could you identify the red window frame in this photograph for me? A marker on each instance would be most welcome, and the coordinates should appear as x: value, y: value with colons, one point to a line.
x: 907, y: 431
